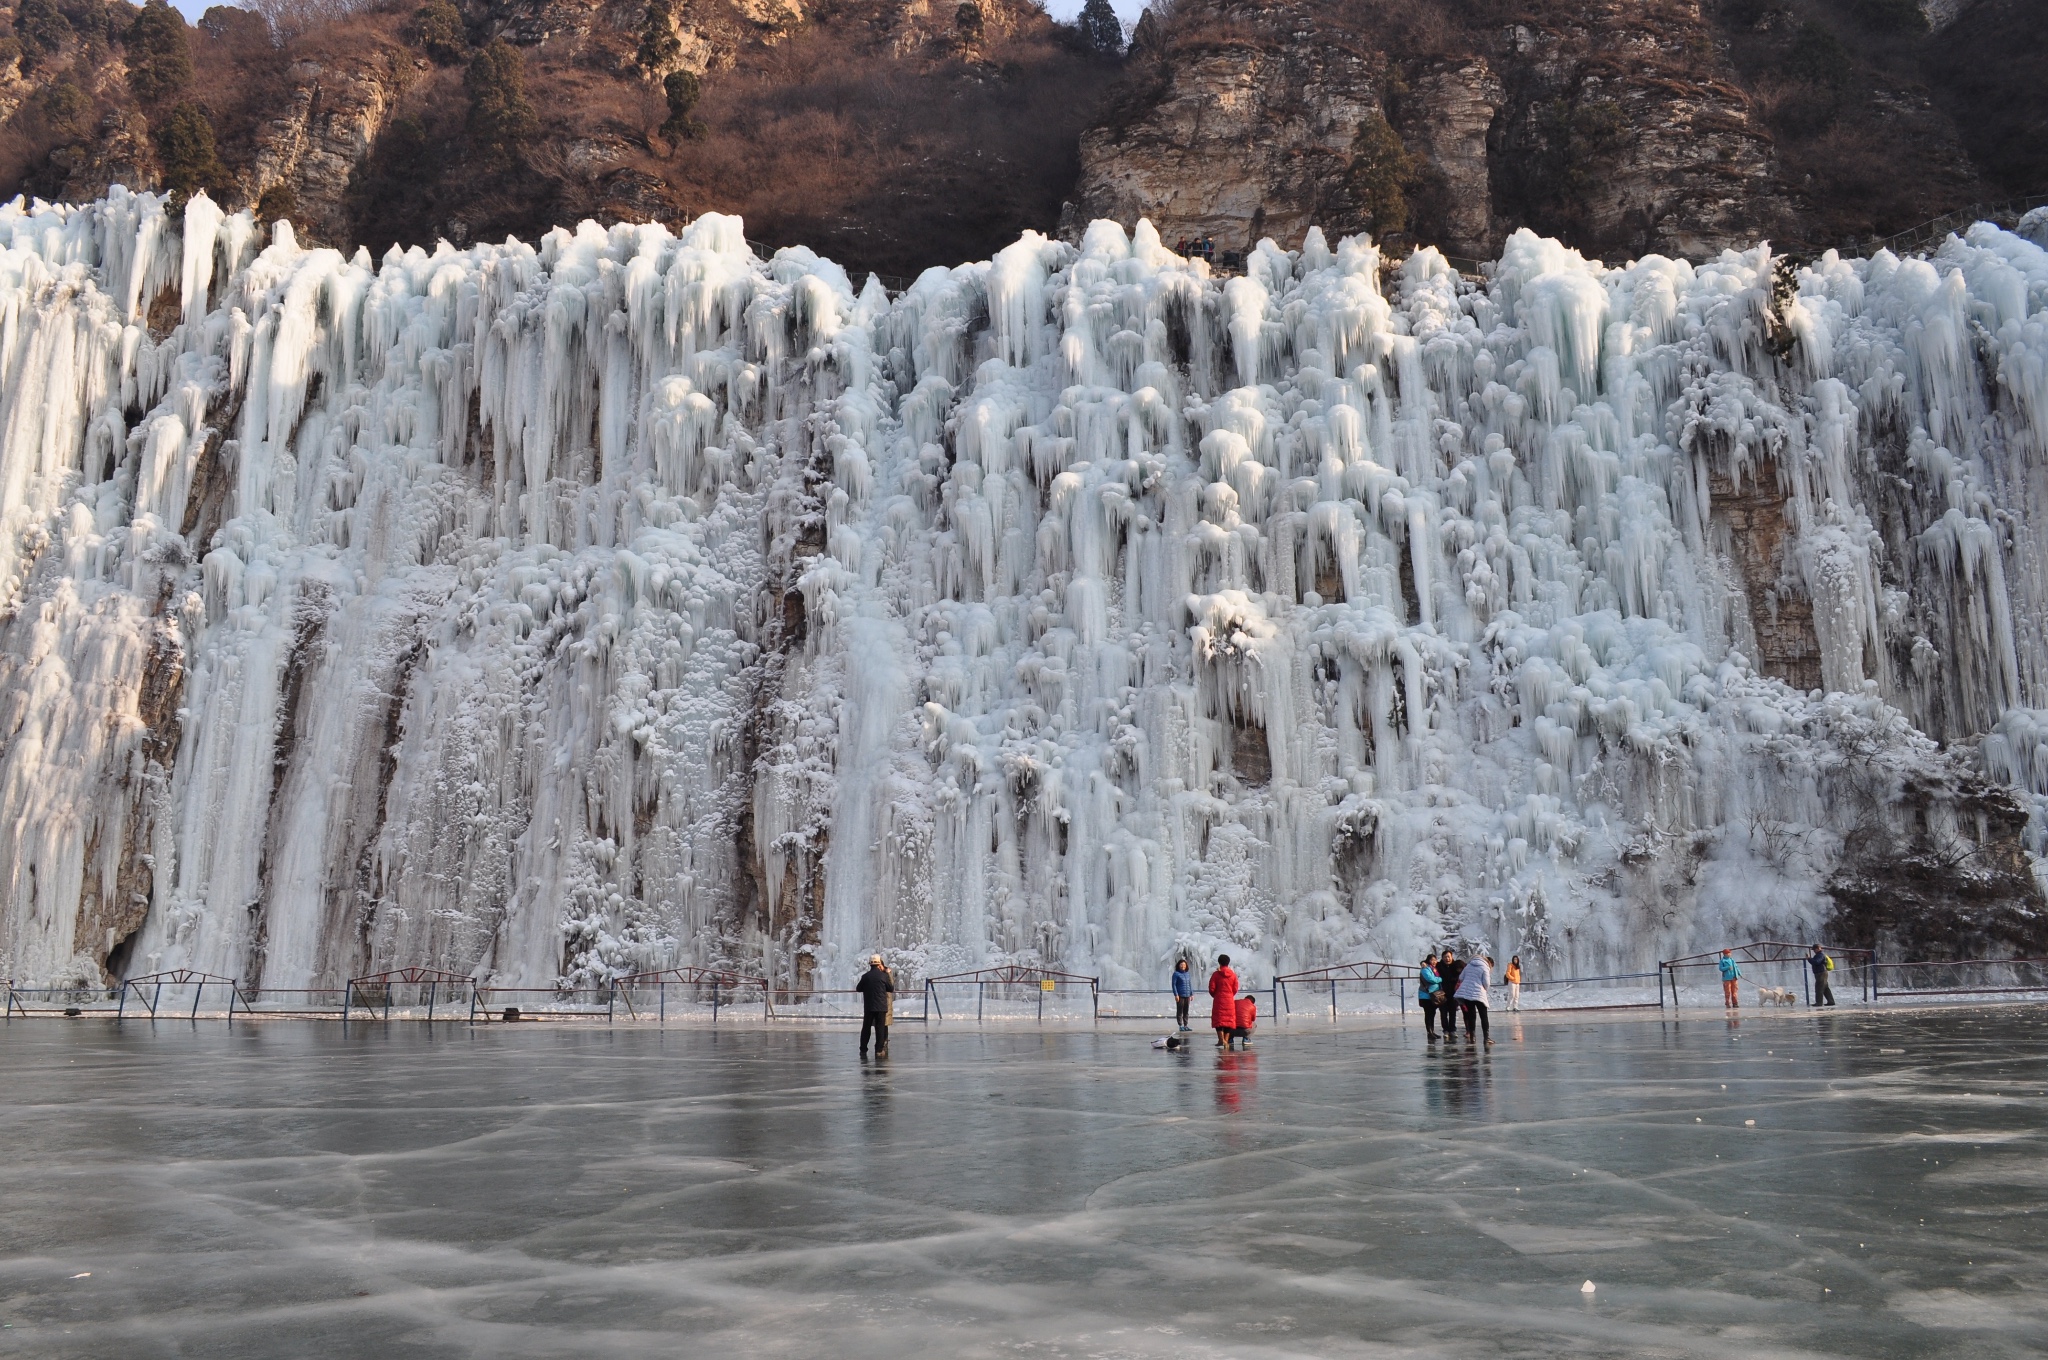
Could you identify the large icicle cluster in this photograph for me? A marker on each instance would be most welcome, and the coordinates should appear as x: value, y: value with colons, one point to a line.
x: 549, y: 612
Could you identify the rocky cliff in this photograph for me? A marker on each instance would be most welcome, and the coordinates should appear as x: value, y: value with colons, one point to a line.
x: 1624, y: 126
x: 899, y: 133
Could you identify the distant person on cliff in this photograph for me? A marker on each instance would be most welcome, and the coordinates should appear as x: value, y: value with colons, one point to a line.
x: 1428, y: 988
x: 1822, y: 965
x: 1223, y: 1001
x: 1472, y: 980
x: 877, y: 992
x: 1731, y: 973
x: 1513, y: 978
x: 1447, y: 969
x: 1183, y: 993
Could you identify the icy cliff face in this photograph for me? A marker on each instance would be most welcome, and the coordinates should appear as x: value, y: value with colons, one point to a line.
x: 562, y: 610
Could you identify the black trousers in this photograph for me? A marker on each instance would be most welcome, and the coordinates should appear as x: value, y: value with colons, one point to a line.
x: 1428, y: 1005
x: 1447, y: 1011
x: 877, y: 1024
x: 1180, y: 1010
x: 1477, y: 1008
x: 1823, y: 994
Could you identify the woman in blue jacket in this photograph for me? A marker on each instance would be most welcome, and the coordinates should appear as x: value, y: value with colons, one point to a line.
x: 1731, y: 973
x: 1427, y: 987
x: 1183, y: 990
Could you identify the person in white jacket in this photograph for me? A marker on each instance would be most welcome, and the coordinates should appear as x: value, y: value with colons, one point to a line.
x: 1472, y: 997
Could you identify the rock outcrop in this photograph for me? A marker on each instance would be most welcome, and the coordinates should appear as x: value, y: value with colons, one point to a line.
x: 337, y: 109
x: 1241, y: 125
x: 1612, y: 124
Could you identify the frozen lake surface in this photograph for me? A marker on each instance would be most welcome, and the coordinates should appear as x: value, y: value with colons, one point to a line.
x: 305, y: 1190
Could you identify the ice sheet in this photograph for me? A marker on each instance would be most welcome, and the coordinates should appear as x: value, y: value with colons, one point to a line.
x: 305, y: 1190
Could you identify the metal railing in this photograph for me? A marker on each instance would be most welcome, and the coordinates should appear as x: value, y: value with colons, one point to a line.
x: 1770, y: 967
x: 1965, y: 978
x: 691, y: 986
x: 1935, y: 229
x: 410, y: 990
x: 1008, y: 987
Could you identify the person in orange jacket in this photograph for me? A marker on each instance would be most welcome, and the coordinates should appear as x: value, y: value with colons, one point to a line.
x: 1223, y: 1000
x: 1513, y: 978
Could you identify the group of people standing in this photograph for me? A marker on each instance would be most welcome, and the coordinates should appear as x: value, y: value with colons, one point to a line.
x: 1231, y: 1015
x: 1817, y: 960
x: 1447, y: 984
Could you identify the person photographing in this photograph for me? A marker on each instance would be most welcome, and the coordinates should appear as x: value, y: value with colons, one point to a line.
x: 877, y: 994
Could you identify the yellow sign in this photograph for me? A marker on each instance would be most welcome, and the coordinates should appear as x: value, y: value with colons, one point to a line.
x: 1046, y: 984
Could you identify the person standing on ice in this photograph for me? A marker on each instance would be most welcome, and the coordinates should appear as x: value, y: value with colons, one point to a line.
x: 1472, y: 980
x: 1447, y: 970
x: 1223, y: 1001
x: 1183, y: 993
x: 1731, y: 974
x: 1513, y: 978
x: 1427, y: 984
x: 877, y: 993
x: 1822, y: 965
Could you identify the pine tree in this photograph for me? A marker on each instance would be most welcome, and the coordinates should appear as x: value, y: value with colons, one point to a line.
x: 658, y: 42
x: 682, y: 90
x: 1380, y: 171
x: 1101, y: 29
x: 185, y: 150
x: 159, y: 54
x: 500, y: 118
x: 41, y: 29
x: 436, y: 28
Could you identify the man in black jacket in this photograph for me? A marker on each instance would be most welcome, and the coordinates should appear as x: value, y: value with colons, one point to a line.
x: 877, y: 990
x: 1448, y: 969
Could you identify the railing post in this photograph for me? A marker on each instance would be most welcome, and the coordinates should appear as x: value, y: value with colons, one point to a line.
x: 714, y: 998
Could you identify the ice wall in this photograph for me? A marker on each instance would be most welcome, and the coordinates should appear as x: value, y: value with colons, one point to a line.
x: 552, y: 611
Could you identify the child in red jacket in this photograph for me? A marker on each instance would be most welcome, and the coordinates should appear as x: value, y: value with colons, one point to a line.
x: 1247, y: 1016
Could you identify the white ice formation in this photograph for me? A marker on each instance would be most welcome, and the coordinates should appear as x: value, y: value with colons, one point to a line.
x: 553, y: 611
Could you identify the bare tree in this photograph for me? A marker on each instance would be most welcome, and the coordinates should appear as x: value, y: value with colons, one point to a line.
x: 289, y: 19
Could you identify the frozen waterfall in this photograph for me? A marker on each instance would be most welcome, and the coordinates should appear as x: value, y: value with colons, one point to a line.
x: 565, y: 610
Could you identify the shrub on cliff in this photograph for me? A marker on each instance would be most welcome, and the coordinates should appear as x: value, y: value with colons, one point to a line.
x: 436, y: 28
x: 390, y: 194
x: 67, y: 108
x: 682, y: 92
x: 185, y: 152
x: 501, y: 119
x: 1380, y: 172
x: 159, y: 54
x: 658, y: 42
x: 41, y: 28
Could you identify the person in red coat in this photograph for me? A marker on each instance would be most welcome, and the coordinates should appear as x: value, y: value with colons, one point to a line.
x: 1223, y: 1000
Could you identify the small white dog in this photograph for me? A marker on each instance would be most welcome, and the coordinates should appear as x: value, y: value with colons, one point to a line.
x: 1782, y: 995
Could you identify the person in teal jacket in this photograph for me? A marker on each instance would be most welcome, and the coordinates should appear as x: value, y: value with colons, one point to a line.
x: 1730, y: 975
x: 1183, y: 992
x: 1428, y: 986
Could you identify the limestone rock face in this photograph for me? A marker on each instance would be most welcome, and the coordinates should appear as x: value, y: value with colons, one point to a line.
x: 121, y: 153
x: 1240, y: 127
x: 334, y: 115
x: 1623, y: 131
x: 1614, y: 125
x: 1446, y: 118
